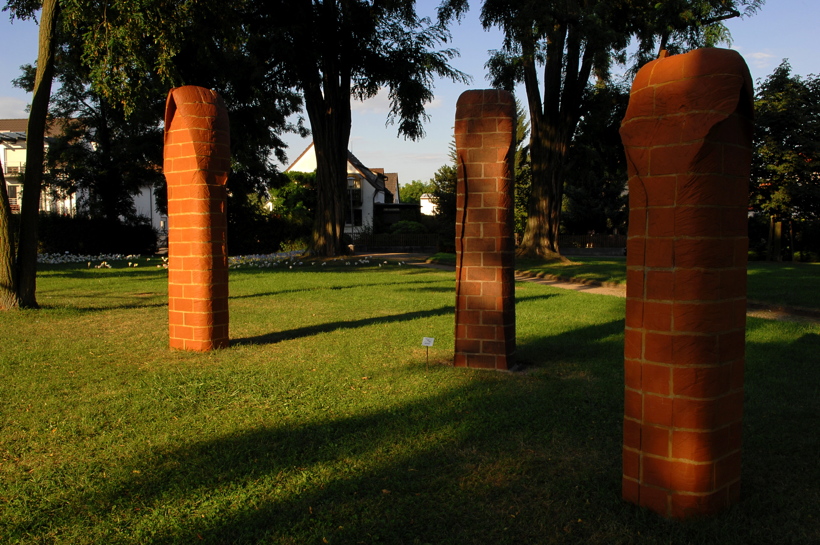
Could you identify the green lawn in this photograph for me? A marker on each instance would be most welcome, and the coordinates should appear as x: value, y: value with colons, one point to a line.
x: 323, y: 423
x: 783, y: 284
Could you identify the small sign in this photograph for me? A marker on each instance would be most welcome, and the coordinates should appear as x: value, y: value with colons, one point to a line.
x: 427, y: 341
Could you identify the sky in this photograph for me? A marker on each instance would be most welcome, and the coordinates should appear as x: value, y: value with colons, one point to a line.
x: 782, y: 29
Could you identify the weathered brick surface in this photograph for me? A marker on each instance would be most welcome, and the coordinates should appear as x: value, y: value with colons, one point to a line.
x: 485, y: 249
x: 687, y: 135
x: 197, y: 159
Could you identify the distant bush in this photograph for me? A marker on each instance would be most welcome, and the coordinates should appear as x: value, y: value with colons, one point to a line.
x: 94, y: 236
x: 807, y: 256
x: 405, y: 227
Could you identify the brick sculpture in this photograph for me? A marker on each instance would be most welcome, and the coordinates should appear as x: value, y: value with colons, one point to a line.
x: 485, y: 249
x: 197, y: 160
x: 687, y: 134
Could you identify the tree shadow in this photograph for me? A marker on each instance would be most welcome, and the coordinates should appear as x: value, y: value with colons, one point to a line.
x: 279, y: 336
x: 475, y: 464
x: 339, y: 287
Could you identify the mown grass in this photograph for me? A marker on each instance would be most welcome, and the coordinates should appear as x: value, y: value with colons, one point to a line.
x: 780, y: 284
x: 323, y: 423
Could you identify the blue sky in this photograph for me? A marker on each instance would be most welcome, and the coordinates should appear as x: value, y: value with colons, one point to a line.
x: 781, y: 29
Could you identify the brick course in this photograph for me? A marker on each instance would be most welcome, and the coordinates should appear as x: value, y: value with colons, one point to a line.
x: 485, y: 249
x: 687, y: 135
x: 197, y: 160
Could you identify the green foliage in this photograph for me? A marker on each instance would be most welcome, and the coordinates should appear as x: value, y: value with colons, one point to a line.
x: 786, y: 161
x: 444, y: 183
x: 253, y: 229
x: 100, y: 155
x: 522, y: 168
x: 554, y: 48
x: 406, y: 227
x: 295, y: 203
x: 95, y: 236
x: 596, y: 198
x: 412, y: 192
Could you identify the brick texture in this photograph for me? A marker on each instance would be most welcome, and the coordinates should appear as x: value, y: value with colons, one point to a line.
x: 485, y: 249
x: 687, y: 135
x: 197, y: 160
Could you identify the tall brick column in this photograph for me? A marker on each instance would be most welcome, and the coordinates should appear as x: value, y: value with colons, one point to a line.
x: 197, y: 160
x: 485, y: 249
x: 687, y: 134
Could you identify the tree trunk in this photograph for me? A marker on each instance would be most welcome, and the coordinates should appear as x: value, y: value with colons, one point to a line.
x: 543, y: 211
x: 552, y: 126
x: 327, y: 101
x: 8, y: 287
x: 331, y: 184
x: 35, y: 152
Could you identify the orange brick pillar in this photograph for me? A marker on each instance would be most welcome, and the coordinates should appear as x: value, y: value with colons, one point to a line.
x: 485, y: 249
x: 687, y: 134
x: 197, y: 159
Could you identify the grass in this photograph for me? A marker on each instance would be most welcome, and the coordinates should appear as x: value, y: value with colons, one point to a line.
x: 779, y: 284
x: 323, y: 423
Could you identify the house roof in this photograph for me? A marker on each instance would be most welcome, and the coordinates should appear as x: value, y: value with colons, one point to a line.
x: 374, y: 177
x: 392, y: 184
x: 54, y: 128
x: 13, y: 125
x: 12, y: 136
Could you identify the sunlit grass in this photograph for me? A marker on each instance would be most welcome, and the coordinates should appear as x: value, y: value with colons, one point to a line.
x: 323, y: 423
x: 780, y: 284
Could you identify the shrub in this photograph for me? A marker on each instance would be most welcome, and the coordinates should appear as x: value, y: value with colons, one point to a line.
x: 405, y: 227
x: 95, y: 236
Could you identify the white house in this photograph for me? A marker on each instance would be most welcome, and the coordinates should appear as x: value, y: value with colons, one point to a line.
x: 366, y: 188
x: 428, y: 207
x: 13, y: 157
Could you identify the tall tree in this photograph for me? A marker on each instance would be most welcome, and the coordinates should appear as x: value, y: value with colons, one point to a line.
x: 331, y: 51
x: 8, y: 285
x: 554, y: 47
x: 96, y: 152
x: 595, y: 197
x: 412, y: 192
x: 786, y: 162
x: 339, y: 50
x: 24, y: 279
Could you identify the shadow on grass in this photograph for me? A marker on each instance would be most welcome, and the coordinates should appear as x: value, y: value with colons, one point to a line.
x: 339, y: 287
x: 502, y: 459
x: 278, y: 336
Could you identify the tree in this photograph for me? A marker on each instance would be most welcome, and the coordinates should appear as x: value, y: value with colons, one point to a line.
x: 339, y: 50
x: 522, y: 170
x: 20, y: 289
x: 444, y: 182
x: 99, y: 154
x: 412, y: 192
x: 785, y: 184
x: 595, y: 194
x: 568, y: 42
x: 330, y: 51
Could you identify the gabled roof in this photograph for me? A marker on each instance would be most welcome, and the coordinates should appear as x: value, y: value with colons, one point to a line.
x: 375, y: 177
x: 13, y: 125
x: 12, y: 136
x: 53, y: 128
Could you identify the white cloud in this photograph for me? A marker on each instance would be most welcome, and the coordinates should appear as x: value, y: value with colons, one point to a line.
x: 12, y: 108
x: 380, y: 104
x: 758, y: 59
